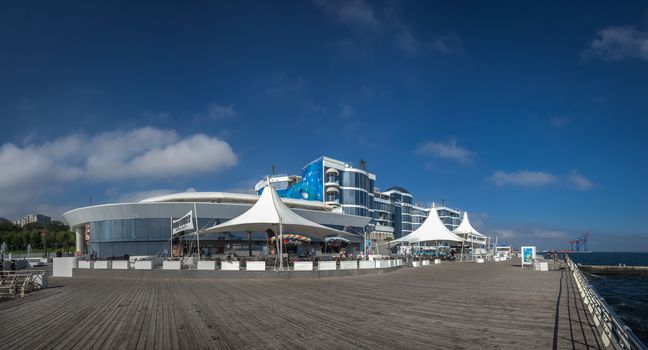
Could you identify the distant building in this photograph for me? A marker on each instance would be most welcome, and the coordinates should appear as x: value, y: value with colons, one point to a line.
x: 352, y: 191
x: 37, y: 218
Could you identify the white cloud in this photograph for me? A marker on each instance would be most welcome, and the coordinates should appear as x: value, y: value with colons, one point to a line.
x: 374, y: 23
x: 448, y: 44
x: 448, y: 150
x: 30, y: 173
x: 532, y: 234
x: 523, y: 178
x: 218, y: 112
x: 579, y: 181
x: 619, y: 43
x: 355, y: 13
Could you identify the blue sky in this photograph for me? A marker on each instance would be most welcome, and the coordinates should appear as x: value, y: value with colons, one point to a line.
x: 530, y: 116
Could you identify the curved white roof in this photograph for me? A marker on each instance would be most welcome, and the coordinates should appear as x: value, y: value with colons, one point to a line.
x: 465, y: 228
x: 432, y: 229
x: 228, y: 197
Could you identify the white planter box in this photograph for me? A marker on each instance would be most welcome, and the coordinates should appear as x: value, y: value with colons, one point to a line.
x: 303, y: 266
x: 416, y: 263
x: 171, y: 265
x: 120, y: 265
x: 437, y: 261
x: 102, y: 264
x: 230, y: 266
x: 144, y: 265
x: 206, y: 265
x: 84, y: 264
x: 381, y: 264
x: 425, y: 262
x: 367, y: 264
x: 348, y: 265
x: 255, y: 266
x: 326, y: 265
x: 63, y: 266
x: 399, y: 262
x: 543, y: 266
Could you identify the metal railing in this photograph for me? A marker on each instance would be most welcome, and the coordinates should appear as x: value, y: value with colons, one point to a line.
x: 615, y: 333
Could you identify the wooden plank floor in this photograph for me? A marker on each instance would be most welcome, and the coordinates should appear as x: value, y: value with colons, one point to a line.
x: 448, y: 306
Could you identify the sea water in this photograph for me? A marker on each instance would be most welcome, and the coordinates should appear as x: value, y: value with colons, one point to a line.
x: 626, y: 294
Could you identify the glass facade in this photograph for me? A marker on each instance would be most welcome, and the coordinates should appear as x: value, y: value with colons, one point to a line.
x: 354, y: 197
x: 110, y: 238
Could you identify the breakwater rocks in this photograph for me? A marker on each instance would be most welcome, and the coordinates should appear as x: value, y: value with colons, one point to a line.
x: 615, y: 269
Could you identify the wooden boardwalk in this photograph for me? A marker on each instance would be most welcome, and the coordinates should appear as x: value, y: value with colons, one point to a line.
x: 448, y: 306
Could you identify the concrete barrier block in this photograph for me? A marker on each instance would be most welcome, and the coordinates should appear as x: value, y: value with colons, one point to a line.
x: 479, y: 260
x: 120, y: 265
x: 171, y: 265
x: 367, y: 264
x: 102, y: 265
x: 255, y: 266
x: 416, y: 263
x: 348, y: 265
x: 326, y: 265
x: 425, y: 262
x: 230, y: 266
x: 63, y: 266
x: 303, y: 266
x: 437, y: 261
x: 85, y: 264
x: 144, y: 265
x: 41, y: 280
x: 206, y: 265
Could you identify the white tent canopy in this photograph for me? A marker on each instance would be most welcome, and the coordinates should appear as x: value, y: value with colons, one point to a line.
x: 269, y: 212
x: 432, y: 229
x: 465, y: 228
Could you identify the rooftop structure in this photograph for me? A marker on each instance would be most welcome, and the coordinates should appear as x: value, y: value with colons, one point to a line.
x: 352, y: 190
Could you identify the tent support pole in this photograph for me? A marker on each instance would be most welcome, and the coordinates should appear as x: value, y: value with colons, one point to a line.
x: 197, y: 231
x: 281, y: 247
x: 462, y: 249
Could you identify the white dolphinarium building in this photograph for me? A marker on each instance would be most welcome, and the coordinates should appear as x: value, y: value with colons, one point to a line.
x: 329, y: 192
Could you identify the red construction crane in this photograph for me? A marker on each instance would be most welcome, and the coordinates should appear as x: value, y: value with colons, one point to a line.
x: 581, y: 242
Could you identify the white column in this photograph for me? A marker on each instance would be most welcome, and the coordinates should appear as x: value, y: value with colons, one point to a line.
x: 80, y: 231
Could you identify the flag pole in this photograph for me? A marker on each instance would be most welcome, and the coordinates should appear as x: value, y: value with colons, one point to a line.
x: 197, y: 230
x: 171, y: 239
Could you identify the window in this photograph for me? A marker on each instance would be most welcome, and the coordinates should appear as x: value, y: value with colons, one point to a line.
x: 332, y: 196
x: 332, y: 178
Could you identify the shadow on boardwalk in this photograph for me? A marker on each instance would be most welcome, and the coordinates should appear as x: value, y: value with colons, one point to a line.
x: 448, y: 306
